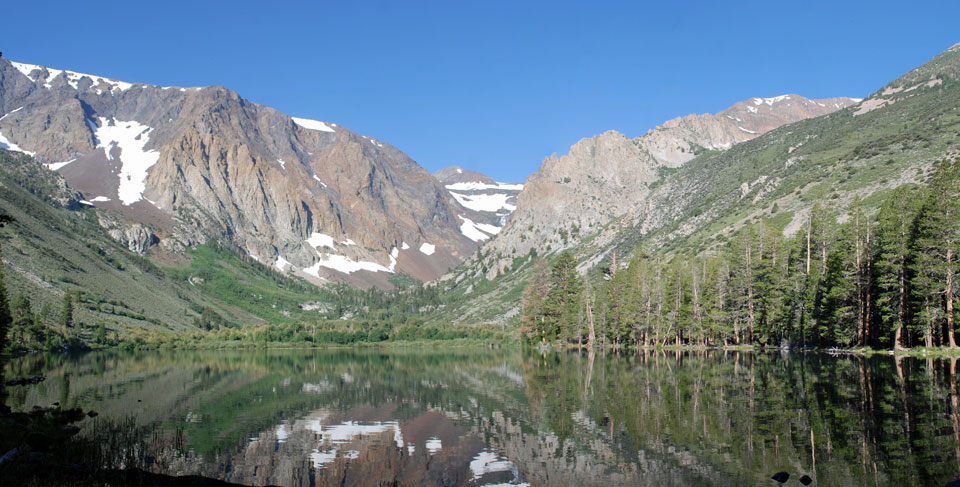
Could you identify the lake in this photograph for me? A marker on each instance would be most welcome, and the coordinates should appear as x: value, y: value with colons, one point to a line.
x: 475, y: 417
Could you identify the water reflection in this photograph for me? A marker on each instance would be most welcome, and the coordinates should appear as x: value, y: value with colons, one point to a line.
x: 508, y: 418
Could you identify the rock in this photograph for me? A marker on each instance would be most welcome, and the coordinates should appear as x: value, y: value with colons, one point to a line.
x: 135, y: 237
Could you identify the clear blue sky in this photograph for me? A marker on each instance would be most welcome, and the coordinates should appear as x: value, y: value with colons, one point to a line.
x: 489, y: 85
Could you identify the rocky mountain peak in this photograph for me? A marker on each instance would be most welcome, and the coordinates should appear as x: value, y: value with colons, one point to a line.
x: 200, y: 164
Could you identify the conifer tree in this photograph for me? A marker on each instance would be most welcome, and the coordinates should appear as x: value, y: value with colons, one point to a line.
x: 6, y: 319
x: 895, y: 227
x: 66, y: 311
x: 560, y: 305
x: 936, y: 249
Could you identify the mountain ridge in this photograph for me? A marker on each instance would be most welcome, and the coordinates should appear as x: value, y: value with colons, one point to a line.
x: 215, y: 165
x: 607, y: 176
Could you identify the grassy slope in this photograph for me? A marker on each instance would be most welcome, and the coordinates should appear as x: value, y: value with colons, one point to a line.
x: 55, y: 246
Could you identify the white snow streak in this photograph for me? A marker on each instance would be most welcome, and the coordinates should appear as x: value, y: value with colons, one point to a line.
x: 312, y: 124
x: 344, y: 264
x: 484, y: 202
x: 427, y: 248
x: 770, y: 101
x: 318, y: 240
x: 394, y: 253
x: 474, y: 231
x: 55, y: 166
x: 473, y: 186
x: 73, y: 78
x: 11, y: 112
x: 6, y: 144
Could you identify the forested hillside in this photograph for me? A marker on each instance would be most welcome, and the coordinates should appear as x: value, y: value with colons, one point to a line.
x: 885, y: 279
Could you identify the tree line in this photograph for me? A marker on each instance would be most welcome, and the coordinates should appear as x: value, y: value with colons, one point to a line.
x: 883, y: 279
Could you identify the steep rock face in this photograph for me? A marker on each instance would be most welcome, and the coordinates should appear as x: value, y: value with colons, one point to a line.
x: 603, y: 181
x: 200, y: 163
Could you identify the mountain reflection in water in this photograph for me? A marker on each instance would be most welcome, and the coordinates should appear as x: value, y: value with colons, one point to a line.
x: 489, y: 417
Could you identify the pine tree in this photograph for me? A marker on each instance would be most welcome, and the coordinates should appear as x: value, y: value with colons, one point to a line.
x: 560, y: 305
x: 936, y: 249
x: 838, y: 310
x: 22, y: 314
x: 531, y: 318
x: 66, y: 311
x: 6, y: 319
x: 895, y: 227
x: 101, y: 334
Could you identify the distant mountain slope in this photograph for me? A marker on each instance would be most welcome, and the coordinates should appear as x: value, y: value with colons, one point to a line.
x: 490, y: 202
x: 196, y: 164
x: 60, y: 244
x: 609, y: 176
x: 892, y: 137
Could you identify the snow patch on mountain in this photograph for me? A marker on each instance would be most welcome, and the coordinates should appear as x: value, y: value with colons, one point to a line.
x: 770, y: 101
x: 56, y: 166
x: 73, y: 78
x: 130, y: 137
x: 312, y: 124
x: 6, y: 144
x: 485, y: 202
x: 475, y: 231
x: 345, y: 265
x: 318, y: 240
x: 427, y: 248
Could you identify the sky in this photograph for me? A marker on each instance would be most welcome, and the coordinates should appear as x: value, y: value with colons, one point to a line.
x: 493, y: 86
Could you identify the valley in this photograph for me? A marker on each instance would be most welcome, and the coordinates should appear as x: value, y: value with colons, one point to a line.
x: 203, y: 199
x: 479, y: 245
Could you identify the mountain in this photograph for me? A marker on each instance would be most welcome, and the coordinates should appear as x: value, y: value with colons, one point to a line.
x: 196, y: 165
x: 609, y: 176
x: 57, y: 246
x: 611, y: 195
x: 490, y: 202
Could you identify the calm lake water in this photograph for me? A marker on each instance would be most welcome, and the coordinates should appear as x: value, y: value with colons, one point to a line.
x: 465, y: 417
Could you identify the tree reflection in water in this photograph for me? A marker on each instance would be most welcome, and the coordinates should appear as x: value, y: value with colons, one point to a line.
x: 416, y: 417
